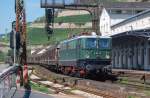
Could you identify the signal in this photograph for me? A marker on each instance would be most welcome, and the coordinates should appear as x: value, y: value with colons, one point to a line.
x: 49, y: 15
x: 17, y: 37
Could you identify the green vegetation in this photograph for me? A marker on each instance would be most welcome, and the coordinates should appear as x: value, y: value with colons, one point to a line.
x: 147, y: 93
x: 37, y: 36
x: 39, y: 87
x: 131, y: 97
x: 2, y: 56
x: 5, y: 39
x: 74, y: 19
x: 124, y: 80
x: 69, y: 19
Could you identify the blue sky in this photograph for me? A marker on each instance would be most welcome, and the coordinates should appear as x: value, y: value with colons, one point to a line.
x: 7, y: 15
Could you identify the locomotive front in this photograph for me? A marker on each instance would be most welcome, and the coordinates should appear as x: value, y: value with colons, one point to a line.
x: 95, y: 54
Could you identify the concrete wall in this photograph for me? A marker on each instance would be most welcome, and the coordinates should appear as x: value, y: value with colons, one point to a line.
x: 72, y: 13
x: 63, y: 25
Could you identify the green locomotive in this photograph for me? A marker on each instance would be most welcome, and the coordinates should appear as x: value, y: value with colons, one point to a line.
x: 85, y: 54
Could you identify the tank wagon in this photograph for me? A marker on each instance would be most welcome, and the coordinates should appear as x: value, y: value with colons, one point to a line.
x: 80, y: 56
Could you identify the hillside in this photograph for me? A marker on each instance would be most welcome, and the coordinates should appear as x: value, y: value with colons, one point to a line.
x: 68, y: 19
x: 59, y: 33
x: 37, y: 36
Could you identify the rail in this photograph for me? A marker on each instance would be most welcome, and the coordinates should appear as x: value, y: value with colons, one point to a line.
x: 8, y: 82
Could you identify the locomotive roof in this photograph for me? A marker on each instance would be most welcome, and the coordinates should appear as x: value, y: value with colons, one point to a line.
x: 78, y: 37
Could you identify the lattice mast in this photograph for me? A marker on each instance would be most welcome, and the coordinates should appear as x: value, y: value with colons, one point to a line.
x: 21, y: 30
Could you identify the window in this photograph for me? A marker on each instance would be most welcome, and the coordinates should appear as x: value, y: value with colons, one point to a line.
x: 138, y: 11
x: 82, y: 43
x: 63, y: 46
x: 91, y: 43
x: 118, y: 12
x: 72, y: 45
x: 104, y: 43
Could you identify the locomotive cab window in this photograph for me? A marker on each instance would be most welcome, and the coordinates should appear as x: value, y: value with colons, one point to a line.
x: 104, y: 43
x: 90, y: 43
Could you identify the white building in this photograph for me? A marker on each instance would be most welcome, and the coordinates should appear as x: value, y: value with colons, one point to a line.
x: 116, y: 12
x: 105, y: 23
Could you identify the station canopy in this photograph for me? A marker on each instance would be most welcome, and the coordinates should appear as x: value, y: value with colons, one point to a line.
x: 142, y: 33
x: 131, y: 37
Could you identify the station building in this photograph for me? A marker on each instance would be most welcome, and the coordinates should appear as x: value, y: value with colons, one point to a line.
x: 131, y: 42
x: 116, y: 12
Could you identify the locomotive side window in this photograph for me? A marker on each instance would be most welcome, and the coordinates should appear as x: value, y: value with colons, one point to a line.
x: 104, y: 43
x: 78, y: 44
x: 63, y: 46
x: 82, y: 43
x: 72, y: 44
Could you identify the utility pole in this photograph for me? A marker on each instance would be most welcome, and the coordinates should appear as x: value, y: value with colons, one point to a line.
x: 21, y: 31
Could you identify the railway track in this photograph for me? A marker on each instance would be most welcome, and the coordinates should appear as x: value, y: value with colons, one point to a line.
x: 95, y: 87
x: 134, y: 78
x: 131, y: 73
x: 106, y: 89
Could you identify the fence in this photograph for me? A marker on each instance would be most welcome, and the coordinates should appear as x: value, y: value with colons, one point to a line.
x: 8, y: 82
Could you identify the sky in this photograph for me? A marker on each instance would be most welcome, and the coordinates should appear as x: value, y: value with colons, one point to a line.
x: 7, y: 13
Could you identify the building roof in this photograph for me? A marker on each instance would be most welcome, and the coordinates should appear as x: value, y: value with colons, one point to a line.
x: 132, y: 17
x: 83, y: 36
x: 126, y: 5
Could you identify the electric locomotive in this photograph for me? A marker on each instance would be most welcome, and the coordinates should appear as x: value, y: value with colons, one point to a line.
x: 78, y: 56
x: 85, y: 55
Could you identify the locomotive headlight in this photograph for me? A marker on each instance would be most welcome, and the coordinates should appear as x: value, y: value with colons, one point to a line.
x: 107, y: 56
x: 87, y: 56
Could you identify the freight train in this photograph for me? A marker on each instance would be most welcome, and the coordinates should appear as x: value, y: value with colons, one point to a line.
x: 78, y: 56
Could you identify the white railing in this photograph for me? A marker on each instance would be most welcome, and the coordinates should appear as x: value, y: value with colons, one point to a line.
x: 7, y: 82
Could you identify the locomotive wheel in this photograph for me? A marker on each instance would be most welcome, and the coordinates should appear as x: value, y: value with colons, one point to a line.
x: 80, y: 74
x: 77, y: 75
x: 67, y: 70
x: 73, y: 74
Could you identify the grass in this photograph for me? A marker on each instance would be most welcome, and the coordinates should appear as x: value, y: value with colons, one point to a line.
x: 37, y: 36
x: 39, y: 87
x: 5, y: 40
x: 69, y: 19
x: 74, y: 19
x: 131, y: 97
x: 124, y: 80
x: 147, y: 93
x: 2, y: 56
